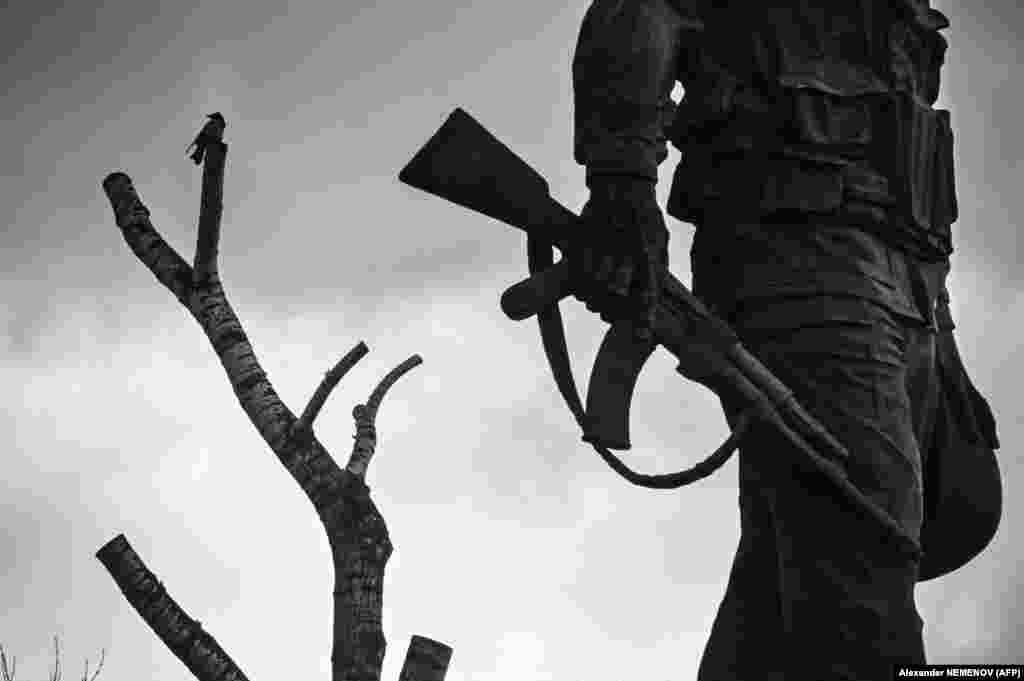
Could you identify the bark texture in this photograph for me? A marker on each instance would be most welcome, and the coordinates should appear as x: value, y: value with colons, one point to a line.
x: 426, y: 660
x: 358, y: 535
x: 184, y: 636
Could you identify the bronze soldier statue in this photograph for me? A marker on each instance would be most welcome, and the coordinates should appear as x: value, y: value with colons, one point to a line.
x: 819, y: 178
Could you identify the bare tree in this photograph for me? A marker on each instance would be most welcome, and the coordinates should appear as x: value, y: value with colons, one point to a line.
x: 358, y: 536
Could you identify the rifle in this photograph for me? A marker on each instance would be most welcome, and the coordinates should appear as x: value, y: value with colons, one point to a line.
x: 465, y: 164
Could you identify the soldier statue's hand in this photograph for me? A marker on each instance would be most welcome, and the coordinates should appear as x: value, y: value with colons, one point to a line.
x: 621, y: 255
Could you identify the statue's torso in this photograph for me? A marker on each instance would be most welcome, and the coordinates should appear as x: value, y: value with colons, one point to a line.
x: 825, y: 108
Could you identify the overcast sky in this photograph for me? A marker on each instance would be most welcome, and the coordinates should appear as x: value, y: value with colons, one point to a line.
x: 514, y: 544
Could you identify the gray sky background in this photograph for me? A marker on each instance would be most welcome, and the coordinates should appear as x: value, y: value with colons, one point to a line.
x: 514, y: 544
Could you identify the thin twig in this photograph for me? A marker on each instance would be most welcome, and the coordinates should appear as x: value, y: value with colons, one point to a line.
x: 8, y: 672
x: 99, y: 666
x: 329, y: 382
x: 56, y: 659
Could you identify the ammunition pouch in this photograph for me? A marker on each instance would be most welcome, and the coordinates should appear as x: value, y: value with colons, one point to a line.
x: 884, y: 161
x: 914, y: 151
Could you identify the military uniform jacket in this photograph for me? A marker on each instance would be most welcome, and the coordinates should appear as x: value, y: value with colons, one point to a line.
x: 789, y: 107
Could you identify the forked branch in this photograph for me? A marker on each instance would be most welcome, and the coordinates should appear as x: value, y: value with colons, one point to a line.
x: 358, y: 536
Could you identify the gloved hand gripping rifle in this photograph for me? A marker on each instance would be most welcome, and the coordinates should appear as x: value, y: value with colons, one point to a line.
x: 467, y: 165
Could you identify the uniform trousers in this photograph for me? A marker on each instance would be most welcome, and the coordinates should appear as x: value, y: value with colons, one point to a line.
x: 847, y: 323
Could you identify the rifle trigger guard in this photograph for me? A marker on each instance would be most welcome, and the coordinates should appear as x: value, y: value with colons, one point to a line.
x: 552, y: 332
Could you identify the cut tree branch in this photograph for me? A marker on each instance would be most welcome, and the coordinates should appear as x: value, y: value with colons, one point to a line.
x: 358, y: 536
x: 426, y: 660
x: 365, y: 416
x: 373, y: 403
x: 360, y: 548
x: 132, y: 217
x: 208, y: 305
x: 184, y: 636
x: 55, y: 676
x: 323, y: 391
x: 211, y: 208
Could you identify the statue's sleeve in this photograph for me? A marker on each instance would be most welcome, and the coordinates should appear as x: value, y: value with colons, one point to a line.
x: 626, y: 62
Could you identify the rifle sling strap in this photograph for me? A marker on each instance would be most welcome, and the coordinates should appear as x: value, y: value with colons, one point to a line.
x: 552, y: 333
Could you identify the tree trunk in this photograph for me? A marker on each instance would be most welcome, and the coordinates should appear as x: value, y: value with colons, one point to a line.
x: 358, y: 536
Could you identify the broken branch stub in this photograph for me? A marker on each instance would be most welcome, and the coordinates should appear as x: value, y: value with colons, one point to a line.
x: 182, y: 635
x: 426, y: 660
x: 331, y: 379
x: 211, y: 209
x: 365, y: 416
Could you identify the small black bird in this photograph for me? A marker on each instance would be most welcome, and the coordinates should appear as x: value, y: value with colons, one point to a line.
x: 212, y: 131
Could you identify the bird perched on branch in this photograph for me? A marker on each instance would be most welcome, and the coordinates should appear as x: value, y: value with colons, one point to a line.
x: 212, y: 131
